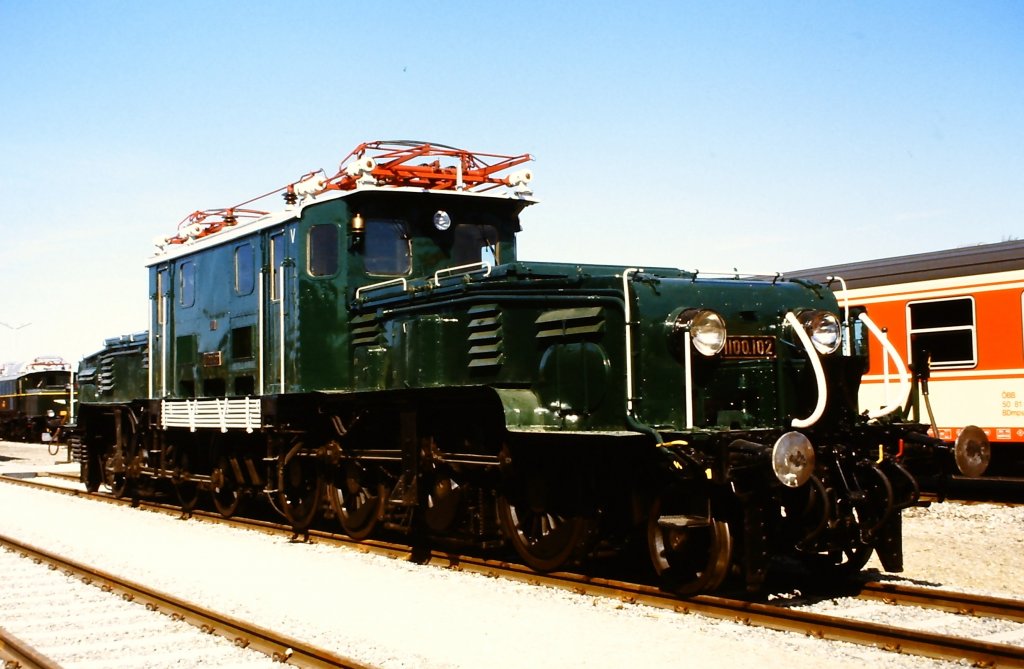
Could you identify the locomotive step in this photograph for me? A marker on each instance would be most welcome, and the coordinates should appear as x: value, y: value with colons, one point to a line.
x: 682, y: 521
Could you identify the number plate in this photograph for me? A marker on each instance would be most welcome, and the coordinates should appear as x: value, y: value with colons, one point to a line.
x: 738, y: 348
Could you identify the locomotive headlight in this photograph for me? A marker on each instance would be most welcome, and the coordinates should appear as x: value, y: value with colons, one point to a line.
x: 442, y: 221
x: 824, y: 330
x: 706, y: 327
x: 793, y: 459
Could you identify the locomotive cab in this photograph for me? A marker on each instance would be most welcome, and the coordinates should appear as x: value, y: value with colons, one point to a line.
x: 266, y: 312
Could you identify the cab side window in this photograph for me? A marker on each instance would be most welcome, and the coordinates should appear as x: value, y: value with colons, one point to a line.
x: 322, y: 250
x: 161, y: 288
x: 245, y: 274
x: 187, y: 274
x: 276, y: 264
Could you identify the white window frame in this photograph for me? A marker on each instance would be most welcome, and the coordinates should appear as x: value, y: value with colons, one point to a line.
x: 972, y: 328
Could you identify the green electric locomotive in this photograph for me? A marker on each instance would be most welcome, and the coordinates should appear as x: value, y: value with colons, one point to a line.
x: 376, y: 352
x: 34, y: 398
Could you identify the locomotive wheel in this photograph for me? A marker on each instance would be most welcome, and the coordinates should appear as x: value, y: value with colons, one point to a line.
x: 544, y: 540
x: 227, y: 494
x: 115, y: 473
x: 185, y: 488
x: 356, y: 503
x: 444, y: 501
x: 298, y: 488
x: 689, y: 559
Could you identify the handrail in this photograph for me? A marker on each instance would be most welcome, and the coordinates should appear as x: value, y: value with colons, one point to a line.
x: 688, y: 374
x: 819, y: 373
x: 400, y: 281
x: 628, y: 313
x: 463, y: 269
x: 901, y: 368
x: 847, y: 344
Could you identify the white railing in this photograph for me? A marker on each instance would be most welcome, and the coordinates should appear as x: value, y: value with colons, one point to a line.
x: 819, y: 373
x: 401, y: 281
x: 627, y: 297
x: 461, y: 270
x: 218, y: 413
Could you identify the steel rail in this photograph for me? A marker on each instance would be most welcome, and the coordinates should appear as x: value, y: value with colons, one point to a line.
x: 945, y: 600
x: 894, y: 639
x: 17, y: 654
x: 280, y: 647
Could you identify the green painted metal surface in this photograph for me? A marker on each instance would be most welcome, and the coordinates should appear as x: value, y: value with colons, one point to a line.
x: 395, y: 303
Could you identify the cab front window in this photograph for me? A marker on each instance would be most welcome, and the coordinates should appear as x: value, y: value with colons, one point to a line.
x: 388, y: 247
x: 475, y: 243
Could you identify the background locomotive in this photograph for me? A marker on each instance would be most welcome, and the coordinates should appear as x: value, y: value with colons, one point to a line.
x: 377, y: 352
x: 959, y: 310
x: 34, y: 398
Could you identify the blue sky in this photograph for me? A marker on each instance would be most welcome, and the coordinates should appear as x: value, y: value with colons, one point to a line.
x: 759, y: 135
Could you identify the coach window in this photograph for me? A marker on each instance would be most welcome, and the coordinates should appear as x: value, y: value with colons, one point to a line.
x: 187, y: 272
x: 322, y: 250
x: 944, y: 330
x: 388, y: 247
x: 245, y: 274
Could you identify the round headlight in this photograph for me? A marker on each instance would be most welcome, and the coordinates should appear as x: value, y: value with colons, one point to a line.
x: 824, y: 329
x: 706, y: 327
x: 442, y: 221
x: 793, y: 459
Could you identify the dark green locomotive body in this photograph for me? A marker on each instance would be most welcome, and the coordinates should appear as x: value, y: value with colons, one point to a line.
x: 380, y: 352
x: 34, y: 399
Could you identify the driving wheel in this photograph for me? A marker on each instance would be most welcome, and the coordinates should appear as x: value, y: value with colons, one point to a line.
x: 115, y: 472
x: 356, y: 501
x: 545, y: 540
x: 227, y: 493
x: 298, y: 487
x: 185, y: 486
x: 690, y: 554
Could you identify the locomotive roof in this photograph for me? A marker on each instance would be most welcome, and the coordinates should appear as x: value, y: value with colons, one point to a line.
x: 949, y: 263
x: 289, y: 212
x: 384, y: 166
x: 43, y: 363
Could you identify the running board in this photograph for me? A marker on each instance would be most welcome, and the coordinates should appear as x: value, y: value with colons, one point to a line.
x: 683, y: 522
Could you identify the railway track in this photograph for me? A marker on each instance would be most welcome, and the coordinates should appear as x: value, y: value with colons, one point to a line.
x: 17, y: 654
x: 790, y: 616
x: 242, y: 634
x: 276, y: 648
